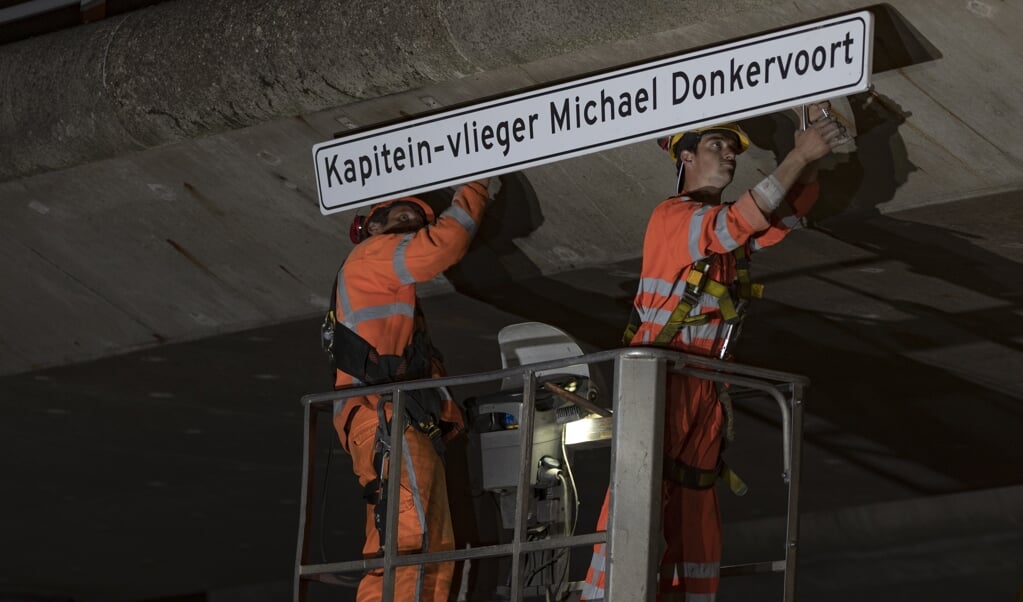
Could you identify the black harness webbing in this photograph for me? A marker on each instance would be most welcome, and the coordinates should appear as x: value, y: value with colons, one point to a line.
x: 354, y: 355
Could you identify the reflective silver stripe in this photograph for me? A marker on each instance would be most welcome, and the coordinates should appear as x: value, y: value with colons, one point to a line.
x: 700, y: 597
x: 342, y: 294
x: 598, y: 562
x: 462, y: 217
x: 701, y: 570
x: 770, y: 192
x: 656, y: 286
x: 721, y: 231
x: 707, y: 301
x: 695, y: 229
x: 791, y: 221
x: 400, y: 267
x: 377, y: 312
x: 418, y: 502
x: 654, y: 315
x: 705, y: 331
x: 755, y: 245
x: 679, y: 289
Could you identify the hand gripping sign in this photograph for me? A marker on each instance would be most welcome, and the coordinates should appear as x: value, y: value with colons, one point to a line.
x: 738, y: 80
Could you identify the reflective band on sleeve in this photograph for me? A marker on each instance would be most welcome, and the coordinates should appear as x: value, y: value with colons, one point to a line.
x: 695, y: 230
x: 791, y: 221
x: 721, y: 231
x: 770, y: 192
x: 400, y: 267
x: 343, y: 300
x: 462, y: 217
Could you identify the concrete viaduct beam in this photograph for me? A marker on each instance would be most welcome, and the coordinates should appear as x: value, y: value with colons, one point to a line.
x: 188, y: 68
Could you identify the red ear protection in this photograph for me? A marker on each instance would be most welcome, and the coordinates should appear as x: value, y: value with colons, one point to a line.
x: 357, y: 232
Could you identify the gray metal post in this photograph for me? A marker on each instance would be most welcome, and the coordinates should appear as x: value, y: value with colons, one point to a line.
x: 792, y: 523
x: 397, y: 443
x: 634, y: 520
x: 305, y: 508
x: 524, y: 491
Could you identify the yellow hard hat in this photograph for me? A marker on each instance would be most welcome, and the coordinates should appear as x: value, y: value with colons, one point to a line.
x: 676, y: 143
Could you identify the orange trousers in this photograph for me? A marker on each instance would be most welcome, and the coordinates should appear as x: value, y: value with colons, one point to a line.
x: 691, y: 520
x: 423, y: 503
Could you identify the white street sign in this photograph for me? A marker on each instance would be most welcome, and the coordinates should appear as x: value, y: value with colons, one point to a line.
x: 755, y: 76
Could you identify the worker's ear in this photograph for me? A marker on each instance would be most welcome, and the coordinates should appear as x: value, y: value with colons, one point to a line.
x: 374, y: 228
x: 687, y: 156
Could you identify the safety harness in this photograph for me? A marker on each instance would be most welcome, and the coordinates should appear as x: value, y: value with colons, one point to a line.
x: 698, y: 283
x: 354, y: 355
x: 732, y: 313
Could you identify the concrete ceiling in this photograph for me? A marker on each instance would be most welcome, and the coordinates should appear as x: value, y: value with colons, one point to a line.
x: 157, y: 195
x: 154, y: 190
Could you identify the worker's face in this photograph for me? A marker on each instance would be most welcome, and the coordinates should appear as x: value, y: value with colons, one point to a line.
x: 400, y: 218
x: 712, y: 163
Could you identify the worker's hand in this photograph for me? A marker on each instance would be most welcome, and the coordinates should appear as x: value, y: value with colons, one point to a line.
x: 816, y: 111
x: 492, y: 185
x: 818, y: 140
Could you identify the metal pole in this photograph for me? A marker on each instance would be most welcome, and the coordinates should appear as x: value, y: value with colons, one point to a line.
x: 792, y: 520
x: 305, y: 507
x: 634, y: 519
x: 524, y: 491
x: 393, y: 490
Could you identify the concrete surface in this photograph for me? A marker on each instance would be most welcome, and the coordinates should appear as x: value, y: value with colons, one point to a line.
x: 164, y: 264
x: 174, y: 471
x: 160, y: 191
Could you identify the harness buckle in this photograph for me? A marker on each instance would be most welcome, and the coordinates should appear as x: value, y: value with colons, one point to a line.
x: 696, y: 281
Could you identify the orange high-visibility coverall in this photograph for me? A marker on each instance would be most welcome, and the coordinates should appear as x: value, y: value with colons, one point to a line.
x: 376, y: 297
x: 681, y: 232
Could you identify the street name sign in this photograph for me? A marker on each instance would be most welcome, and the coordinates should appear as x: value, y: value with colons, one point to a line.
x: 742, y: 79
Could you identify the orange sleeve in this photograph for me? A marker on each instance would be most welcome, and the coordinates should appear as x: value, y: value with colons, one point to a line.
x: 435, y: 248
x: 800, y: 199
x: 686, y: 231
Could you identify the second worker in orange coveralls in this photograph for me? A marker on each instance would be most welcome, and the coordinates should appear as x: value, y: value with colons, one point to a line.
x: 696, y: 246
x: 378, y: 335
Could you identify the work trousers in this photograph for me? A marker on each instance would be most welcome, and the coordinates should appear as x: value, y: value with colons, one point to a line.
x: 423, y: 501
x: 691, y: 520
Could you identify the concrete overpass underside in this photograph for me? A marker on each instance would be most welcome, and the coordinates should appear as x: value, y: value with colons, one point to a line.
x: 165, y: 263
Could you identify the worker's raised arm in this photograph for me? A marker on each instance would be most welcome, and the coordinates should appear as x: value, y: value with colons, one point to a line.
x: 431, y: 250
x: 799, y: 166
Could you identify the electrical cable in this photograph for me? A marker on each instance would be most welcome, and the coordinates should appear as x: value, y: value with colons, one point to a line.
x: 343, y: 580
x: 571, y: 479
x: 323, y: 503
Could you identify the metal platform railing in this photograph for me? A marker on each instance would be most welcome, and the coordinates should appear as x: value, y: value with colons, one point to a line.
x: 638, y: 390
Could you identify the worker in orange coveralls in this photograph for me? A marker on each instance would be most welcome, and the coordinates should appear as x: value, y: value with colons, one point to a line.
x: 692, y: 293
x: 376, y: 334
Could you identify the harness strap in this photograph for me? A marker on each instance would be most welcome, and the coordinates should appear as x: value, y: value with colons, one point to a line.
x: 728, y: 433
x: 698, y: 283
x: 691, y: 477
